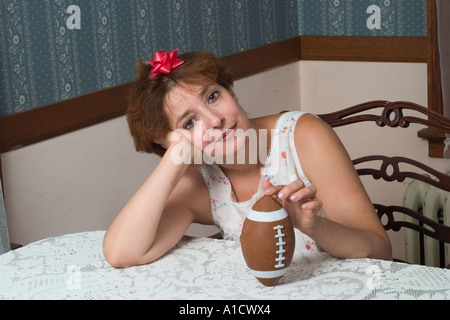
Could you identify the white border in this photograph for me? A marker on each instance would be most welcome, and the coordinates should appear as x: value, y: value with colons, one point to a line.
x: 267, y: 216
x: 268, y: 274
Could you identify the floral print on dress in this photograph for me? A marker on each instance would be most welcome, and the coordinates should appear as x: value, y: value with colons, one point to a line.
x: 310, y: 245
x: 216, y: 205
x: 222, y: 180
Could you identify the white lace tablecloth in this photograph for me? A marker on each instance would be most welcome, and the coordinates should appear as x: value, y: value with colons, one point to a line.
x: 73, y: 267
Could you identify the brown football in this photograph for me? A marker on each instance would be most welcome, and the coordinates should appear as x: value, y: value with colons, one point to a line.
x: 268, y: 240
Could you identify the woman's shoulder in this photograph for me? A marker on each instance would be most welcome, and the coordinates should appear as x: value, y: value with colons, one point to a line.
x: 311, y: 128
x: 266, y: 122
x: 192, y: 186
x: 270, y: 121
x: 316, y: 140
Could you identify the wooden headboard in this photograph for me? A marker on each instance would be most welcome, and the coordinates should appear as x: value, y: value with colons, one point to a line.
x: 397, y: 168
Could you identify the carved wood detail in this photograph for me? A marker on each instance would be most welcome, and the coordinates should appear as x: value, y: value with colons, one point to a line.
x: 392, y: 115
x: 390, y: 170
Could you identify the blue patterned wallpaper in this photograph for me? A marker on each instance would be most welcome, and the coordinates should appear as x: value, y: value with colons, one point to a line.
x: 43, y: 61
x: 349, y: 17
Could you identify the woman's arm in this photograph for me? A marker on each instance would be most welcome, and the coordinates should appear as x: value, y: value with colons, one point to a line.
x: 351, y: 228
x: 157, y: 216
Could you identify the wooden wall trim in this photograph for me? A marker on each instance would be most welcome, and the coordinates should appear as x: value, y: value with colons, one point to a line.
x: 377, y: 49
x: 436, y: 143
x: 435, y: 138
x: 46, y: 122
x: 434, y: 66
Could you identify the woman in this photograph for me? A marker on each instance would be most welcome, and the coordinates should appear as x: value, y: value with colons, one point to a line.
x: 185, y: 110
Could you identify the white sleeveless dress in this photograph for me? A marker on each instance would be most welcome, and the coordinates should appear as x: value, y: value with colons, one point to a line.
x: 282, y: 168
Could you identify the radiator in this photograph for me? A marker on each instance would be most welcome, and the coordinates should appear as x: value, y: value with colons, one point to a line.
x: 434, y: 204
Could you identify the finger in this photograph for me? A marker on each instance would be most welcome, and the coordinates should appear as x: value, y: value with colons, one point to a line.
x: 270, y: 189
x: 171, y: 137
x: 164, y: 142
x: 305, y: 194
x: 266, y: 184
x: 312, y: 206
x: 179, y: 135
x: 290, y: 189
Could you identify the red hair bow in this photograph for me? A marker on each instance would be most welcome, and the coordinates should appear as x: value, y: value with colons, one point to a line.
x: 164, y: 62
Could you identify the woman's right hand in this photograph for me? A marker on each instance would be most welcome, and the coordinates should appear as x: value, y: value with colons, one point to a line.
x: 181, y: 149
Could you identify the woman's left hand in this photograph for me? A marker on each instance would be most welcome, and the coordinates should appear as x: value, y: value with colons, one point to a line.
x: 299, y: 201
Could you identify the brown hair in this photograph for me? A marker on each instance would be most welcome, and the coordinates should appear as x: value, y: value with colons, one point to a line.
x: 146, y: 115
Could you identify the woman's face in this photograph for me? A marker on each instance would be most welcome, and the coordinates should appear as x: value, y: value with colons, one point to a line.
x: 209, y: 116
